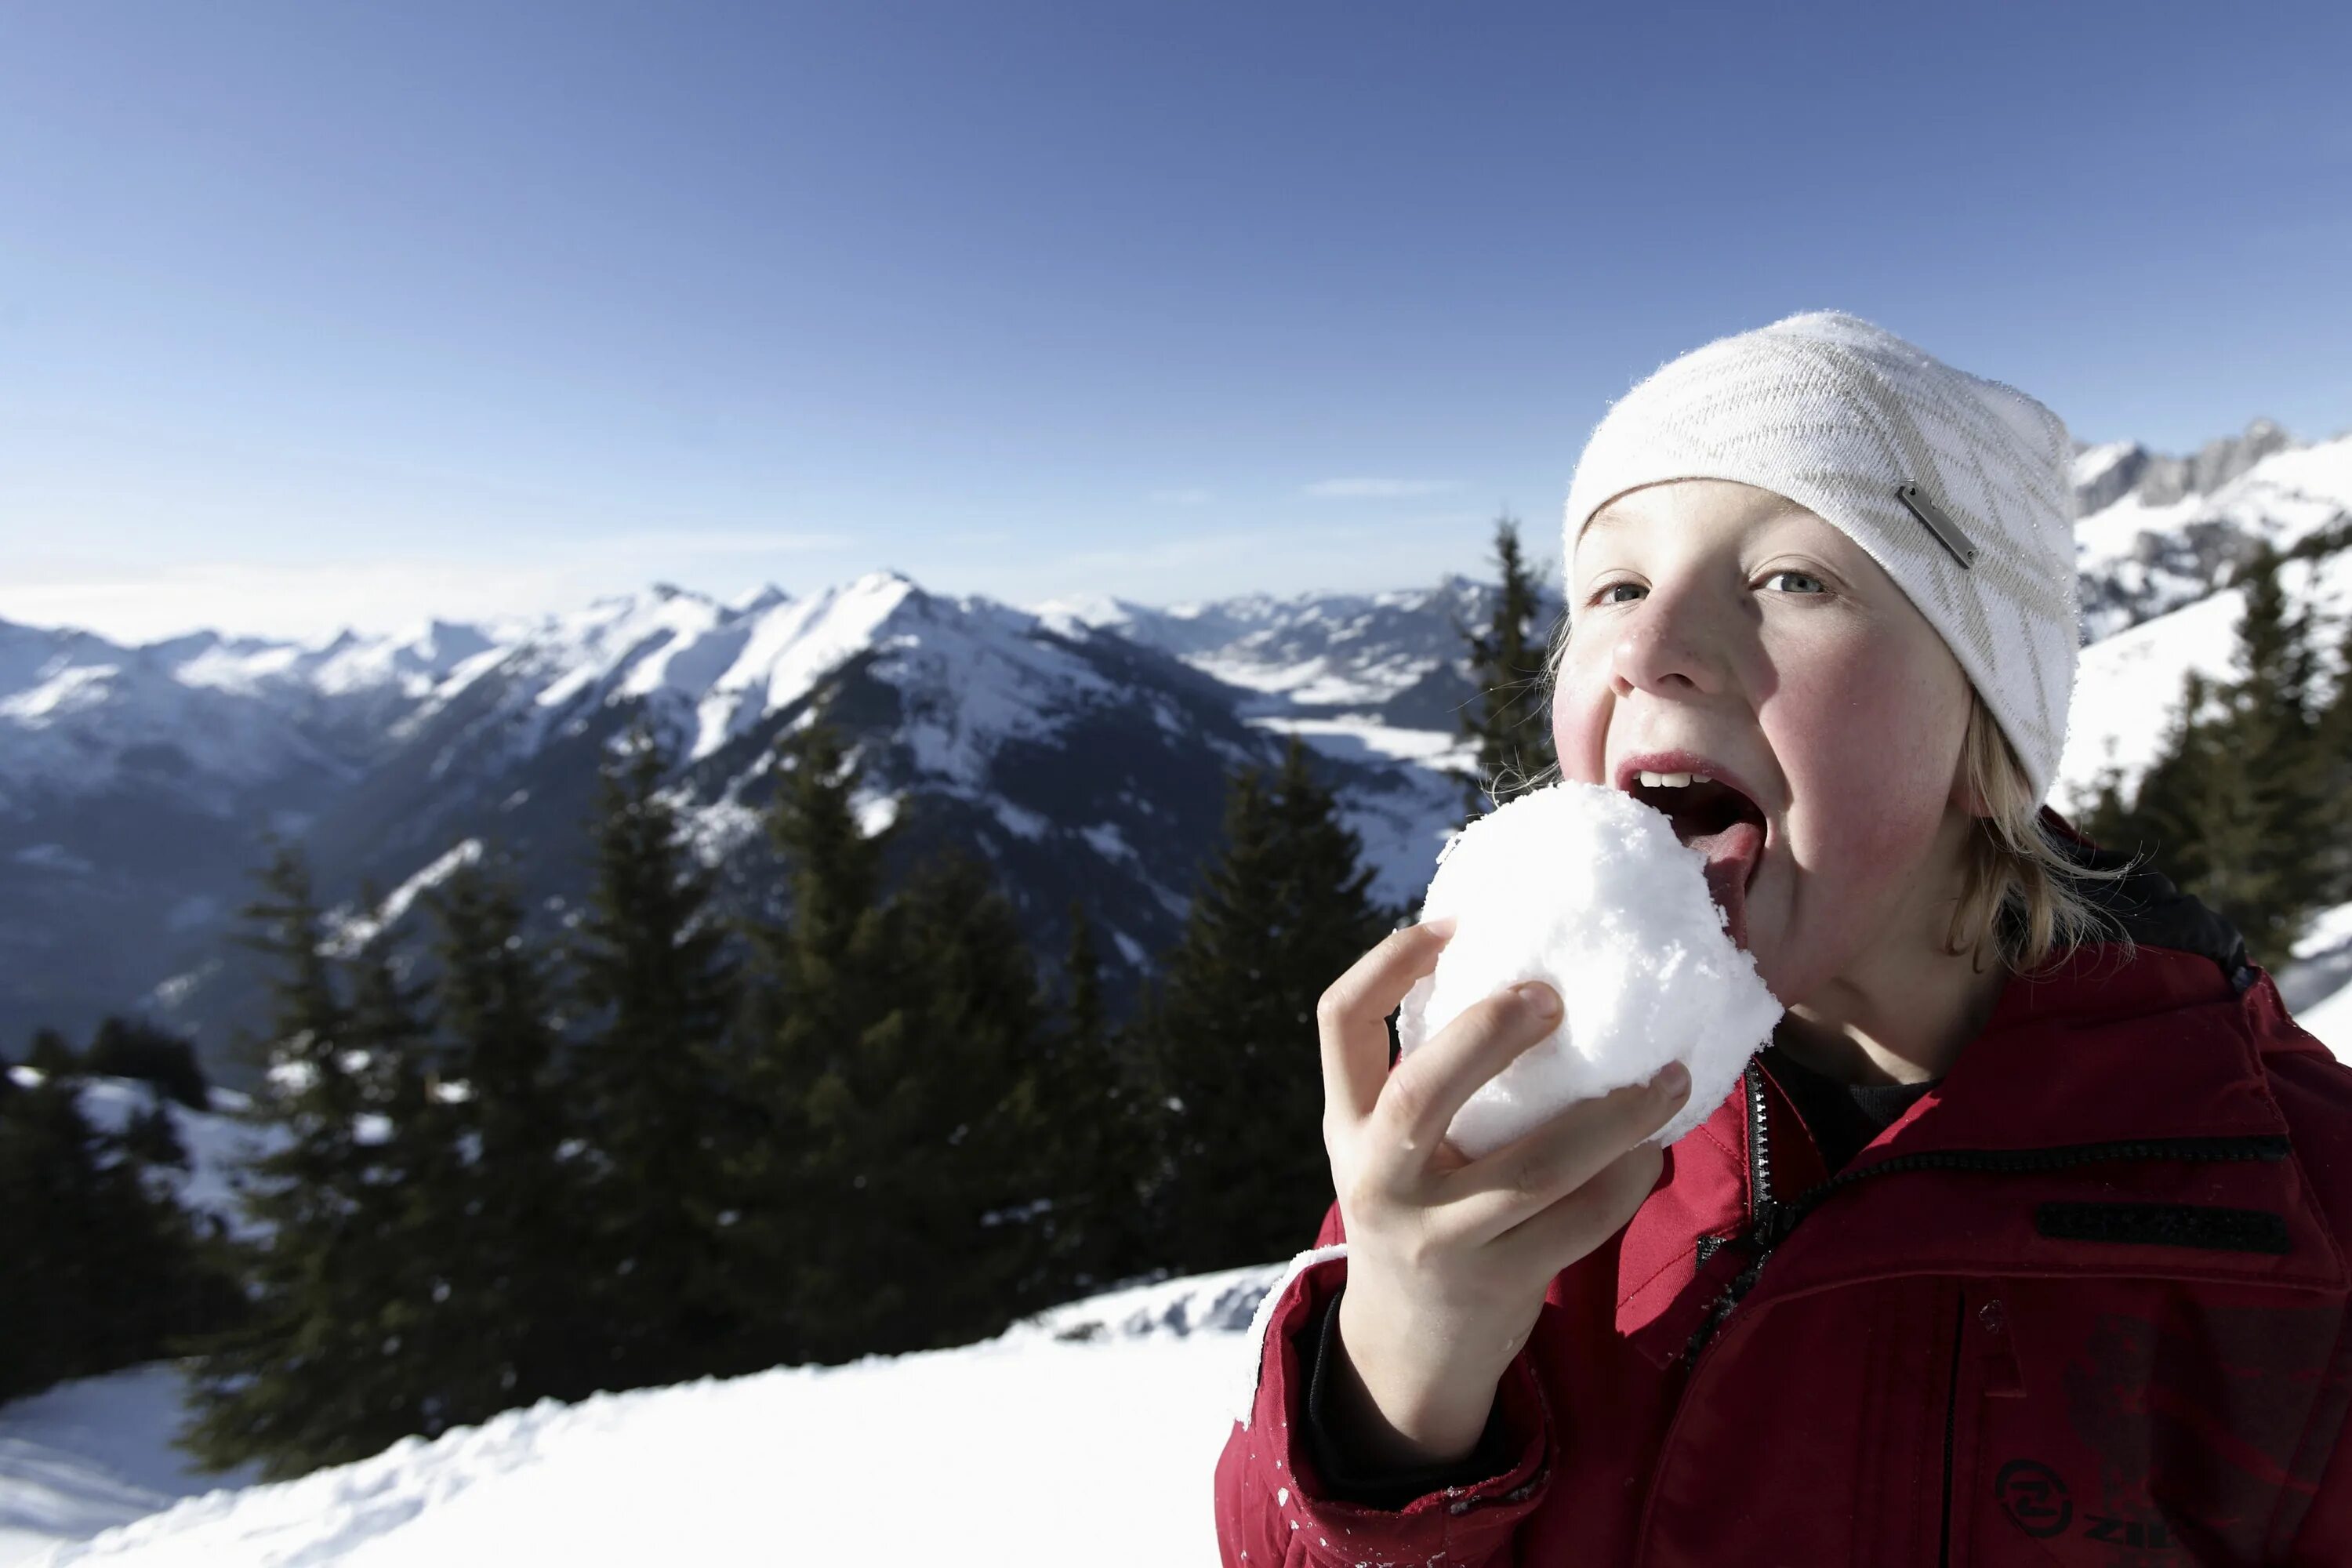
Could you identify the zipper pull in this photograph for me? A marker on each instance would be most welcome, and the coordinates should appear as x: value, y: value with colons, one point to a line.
x: 2002, y: 1378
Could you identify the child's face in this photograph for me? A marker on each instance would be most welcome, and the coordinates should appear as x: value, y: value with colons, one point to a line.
x: 1731, y: 625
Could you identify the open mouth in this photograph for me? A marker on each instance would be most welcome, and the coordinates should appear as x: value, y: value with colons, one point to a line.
x: 1711, y: 814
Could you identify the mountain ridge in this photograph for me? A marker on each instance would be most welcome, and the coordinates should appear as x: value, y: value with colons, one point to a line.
x: 1080, y: 746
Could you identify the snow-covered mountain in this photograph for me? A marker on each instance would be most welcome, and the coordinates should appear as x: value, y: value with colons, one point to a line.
x: 2160, y: 567
x: 1086, y: 765
x: 1080, y: 746
x: 2156, y: 533
x: 1396, y: 655
x: 137, y: 788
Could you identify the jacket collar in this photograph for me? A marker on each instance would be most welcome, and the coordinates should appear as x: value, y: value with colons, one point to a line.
x: 2109, y: 1047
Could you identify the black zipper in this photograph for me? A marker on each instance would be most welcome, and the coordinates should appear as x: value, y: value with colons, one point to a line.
x: 1951, y: 1424
x: 1759, y: 1145
x: 1771, y: 1220
x: 1763, y: 1214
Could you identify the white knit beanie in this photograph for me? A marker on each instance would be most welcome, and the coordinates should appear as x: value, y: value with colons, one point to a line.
x: 1960, y: 488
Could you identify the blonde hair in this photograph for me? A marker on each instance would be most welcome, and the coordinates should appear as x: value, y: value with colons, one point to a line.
x: 2022, y: 895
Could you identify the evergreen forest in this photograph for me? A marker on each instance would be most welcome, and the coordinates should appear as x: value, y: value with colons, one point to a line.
x: 657, y: 1144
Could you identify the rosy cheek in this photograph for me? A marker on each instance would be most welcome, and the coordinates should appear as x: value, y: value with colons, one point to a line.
x: 1579, y: 718
x: 1871, y: 745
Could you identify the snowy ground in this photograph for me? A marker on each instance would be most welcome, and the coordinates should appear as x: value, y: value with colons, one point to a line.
x: 1096, y: 1423
x: 88, y: 1455
x: 1086, y: 1434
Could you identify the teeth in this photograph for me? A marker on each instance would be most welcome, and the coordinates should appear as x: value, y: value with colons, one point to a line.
x: 1668, y: 781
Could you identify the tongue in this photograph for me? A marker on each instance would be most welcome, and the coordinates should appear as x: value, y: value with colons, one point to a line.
x: 1731, y: 855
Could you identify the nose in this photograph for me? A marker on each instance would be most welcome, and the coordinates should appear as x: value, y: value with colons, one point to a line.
x: 1669, y: 646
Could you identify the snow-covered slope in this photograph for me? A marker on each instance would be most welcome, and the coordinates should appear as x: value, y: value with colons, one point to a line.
x: 1085, y: 765
x: 82, y: 716
x: 218, y: 1142
x: 1085, y: 1436
x: 2127, y: 690
x: 86, y: 1457
x: 2173, y: 534
x: 1396, y: 657
x: 137, y: 785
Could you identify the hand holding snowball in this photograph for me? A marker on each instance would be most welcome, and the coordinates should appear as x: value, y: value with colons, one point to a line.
x: 1591, y: 891
x: 1515, y: 1135
x: 1449, y: 1258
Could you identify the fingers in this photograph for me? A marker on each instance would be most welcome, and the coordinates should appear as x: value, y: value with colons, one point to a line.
x: 1514, y: 1183
x: 1570, y: 1230
x: 1431, y: 1085
x: 1352, y: 1017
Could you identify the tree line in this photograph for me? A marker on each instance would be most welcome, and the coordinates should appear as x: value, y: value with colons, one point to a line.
x: 100, y: 1265
x: 666, y: 1142
x: 2247, y: 804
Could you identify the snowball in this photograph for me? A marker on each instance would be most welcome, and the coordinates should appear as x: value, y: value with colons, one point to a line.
x: 1588, y: 889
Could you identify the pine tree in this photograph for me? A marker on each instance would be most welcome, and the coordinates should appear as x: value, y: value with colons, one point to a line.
x: 1510, y: 721
x: 132, y: 1049
x: 52, y: 1056
x: 100, y: 1269
x: 419, y: 1178
x: 1096, y: 1131
x: 513, y: 1321
x: 313, y: 1376
x: 812, y: 995
x: 1284, y: 912
x: 2332, y: 740
x: 657, y: 1084
x: 893, y: 1203
x: 2272, y: 741
x: 967, y: 1184
x: 152, y: 1137
x: 2236, y: 806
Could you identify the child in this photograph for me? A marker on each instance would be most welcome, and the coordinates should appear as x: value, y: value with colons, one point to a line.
x: 2018, y: 1244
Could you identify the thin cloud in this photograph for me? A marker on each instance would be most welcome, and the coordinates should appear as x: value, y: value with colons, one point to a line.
x: 1378, y: 489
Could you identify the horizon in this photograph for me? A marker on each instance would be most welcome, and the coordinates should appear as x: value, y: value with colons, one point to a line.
x: 132, y: 629
x: 349, y: 317
x: 522, y: 624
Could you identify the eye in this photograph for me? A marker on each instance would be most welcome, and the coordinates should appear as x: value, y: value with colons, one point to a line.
x: 1618, y: 593
x: 1797, y: 582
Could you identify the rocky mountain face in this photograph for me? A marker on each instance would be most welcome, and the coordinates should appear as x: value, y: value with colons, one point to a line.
x: 2106, y: 474
x: 144, y: 785
x: 2156, y: 532
x: 1081, y: 748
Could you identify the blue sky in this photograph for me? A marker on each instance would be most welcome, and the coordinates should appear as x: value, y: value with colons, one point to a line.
x: 314, y: 313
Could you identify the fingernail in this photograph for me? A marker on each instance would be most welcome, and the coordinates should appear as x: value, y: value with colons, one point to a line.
x: 1441, y: 927
x: 1673, y: 1080
x: 1537, y: 998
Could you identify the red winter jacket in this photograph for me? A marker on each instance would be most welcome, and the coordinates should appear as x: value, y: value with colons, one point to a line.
x: 2084, y: 1303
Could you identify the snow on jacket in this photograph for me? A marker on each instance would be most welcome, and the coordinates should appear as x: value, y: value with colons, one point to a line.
x: 2085, y: 1303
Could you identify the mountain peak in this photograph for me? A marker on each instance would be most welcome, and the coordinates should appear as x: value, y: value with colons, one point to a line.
x: 759, y: 601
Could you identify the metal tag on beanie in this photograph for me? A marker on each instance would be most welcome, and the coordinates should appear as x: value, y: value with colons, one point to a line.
x: 1942, y: 527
